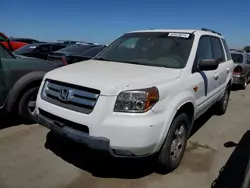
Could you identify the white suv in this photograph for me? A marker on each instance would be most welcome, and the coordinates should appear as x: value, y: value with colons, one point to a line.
x: 140, y: 95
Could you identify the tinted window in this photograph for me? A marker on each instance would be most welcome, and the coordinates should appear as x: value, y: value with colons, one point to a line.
x: 237, y: 58
x: 1, y: 51
x: 2, y: 38
x: 248, y: 59
x: 226, y: 49
x: 218, y: 52
x: 42, y: 49
x: 25, y: 49
x: 153, y: 49
x: 4, y: 53
x: 204, y: 50
x: 75, y: 48
x: 92, y: 52
x: 56, y: 47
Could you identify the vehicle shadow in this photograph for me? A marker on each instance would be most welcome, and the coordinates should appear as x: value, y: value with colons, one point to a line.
x: 95, y: 163
x: 233, y: 174
x: 103, y: 166
x: 11, y: 120
x: 237, y: 88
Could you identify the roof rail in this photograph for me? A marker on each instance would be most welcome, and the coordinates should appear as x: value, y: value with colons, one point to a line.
x: 204, y: 29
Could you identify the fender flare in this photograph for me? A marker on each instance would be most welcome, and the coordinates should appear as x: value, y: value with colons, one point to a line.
x: 183, y: 99
x: 20, y: 85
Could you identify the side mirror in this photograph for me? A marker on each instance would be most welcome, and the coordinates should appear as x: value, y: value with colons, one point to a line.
x: 208, y: 64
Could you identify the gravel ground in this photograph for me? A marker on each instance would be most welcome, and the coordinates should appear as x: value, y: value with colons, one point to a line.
x: 25, y: 163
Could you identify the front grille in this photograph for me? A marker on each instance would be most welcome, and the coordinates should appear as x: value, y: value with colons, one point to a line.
x: 69, y: 96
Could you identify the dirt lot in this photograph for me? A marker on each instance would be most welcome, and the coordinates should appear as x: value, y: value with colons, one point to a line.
x: 25, y: 163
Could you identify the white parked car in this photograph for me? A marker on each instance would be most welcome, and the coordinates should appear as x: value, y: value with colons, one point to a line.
x: 140, y: 96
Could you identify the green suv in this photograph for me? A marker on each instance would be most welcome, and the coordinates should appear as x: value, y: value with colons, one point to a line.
x: 20, y: 78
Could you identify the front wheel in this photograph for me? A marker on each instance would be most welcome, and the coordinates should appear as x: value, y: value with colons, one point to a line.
x: 173, y: 148
x: 27, y: 103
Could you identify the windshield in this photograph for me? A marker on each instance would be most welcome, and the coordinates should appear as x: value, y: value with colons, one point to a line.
x: 2, y: 38
x: 237, y: 58
x: 92, y: 52
x: 169, y: 50
x: 75, y: 48
x: 25, y: 49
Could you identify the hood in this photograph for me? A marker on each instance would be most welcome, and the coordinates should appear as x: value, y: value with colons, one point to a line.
x: 112, y: 77
x: 39, y: 64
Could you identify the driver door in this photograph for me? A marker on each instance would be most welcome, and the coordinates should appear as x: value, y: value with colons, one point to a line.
x: 4, y: 78
x: 207, y: 81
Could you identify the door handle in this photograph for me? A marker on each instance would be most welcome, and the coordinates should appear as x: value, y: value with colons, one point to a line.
x: 228, y: 69
x: 216, y: 76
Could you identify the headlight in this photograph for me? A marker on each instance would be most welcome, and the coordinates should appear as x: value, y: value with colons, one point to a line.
x: 137, y: 100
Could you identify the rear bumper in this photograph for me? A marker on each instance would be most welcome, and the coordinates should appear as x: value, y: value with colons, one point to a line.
x: 239, y: 79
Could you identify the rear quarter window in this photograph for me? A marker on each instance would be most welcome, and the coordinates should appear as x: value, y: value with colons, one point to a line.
x: 228, y: 54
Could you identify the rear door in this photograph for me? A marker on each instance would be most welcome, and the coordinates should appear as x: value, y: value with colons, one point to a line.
x: 219, y: 55
x: 226, y: 64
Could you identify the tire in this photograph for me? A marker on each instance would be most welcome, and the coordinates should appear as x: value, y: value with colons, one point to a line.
x: 166, y: 160
x: 244, y: 86
x: 27, y: 103
x: 221, y: 106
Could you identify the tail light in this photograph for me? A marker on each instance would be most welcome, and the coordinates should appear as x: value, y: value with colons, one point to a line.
x: 64, y: 61
x: 238, y: 70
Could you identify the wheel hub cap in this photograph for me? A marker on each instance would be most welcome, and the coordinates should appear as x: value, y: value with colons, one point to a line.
x: 177, y: 143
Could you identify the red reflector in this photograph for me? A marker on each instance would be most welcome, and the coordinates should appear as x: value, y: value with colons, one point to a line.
x: 64, y: 61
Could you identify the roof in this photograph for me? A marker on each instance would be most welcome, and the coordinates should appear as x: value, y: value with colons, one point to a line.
x: 47, y: 43
x: 203, y: 31
x: 22, y: 38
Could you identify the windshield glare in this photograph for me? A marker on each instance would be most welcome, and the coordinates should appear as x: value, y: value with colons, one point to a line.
x: 152, y: 49
x: 237, y: 58
x: 25, y: 49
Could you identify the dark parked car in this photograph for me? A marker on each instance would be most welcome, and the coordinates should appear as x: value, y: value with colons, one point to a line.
x: 241, y: 72
x: 20, y: 79
x: 39, y: 50
x: 75, y: 53
x: 26, y: 40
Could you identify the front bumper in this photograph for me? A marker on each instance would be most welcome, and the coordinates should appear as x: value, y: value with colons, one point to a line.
x: 143, y: 144
x: 239, y: 79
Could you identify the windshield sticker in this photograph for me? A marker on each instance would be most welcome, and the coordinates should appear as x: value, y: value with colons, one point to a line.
x: 33, y: 47
x: 182, y: 35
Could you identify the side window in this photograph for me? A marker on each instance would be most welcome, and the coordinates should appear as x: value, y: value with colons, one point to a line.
x: 248, y: 59
x: 218, y: 52
x: 204, y: 50
x: 4, y: 53
x: 1, y: 51
x: 44, y: 49
x: 2, y: 38
x: 55, y: 48
x: 229, y: 57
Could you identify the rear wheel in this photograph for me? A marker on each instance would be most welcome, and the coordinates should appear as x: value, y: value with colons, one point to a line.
x: 173, y: 148
x: 27, y: 103
x: 221, y: 106
x: 245, y: 83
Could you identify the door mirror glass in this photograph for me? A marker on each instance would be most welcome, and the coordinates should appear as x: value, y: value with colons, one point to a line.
x: 208, y: 64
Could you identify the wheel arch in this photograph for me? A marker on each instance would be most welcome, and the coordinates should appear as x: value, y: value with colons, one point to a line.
x: 27, y: 81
